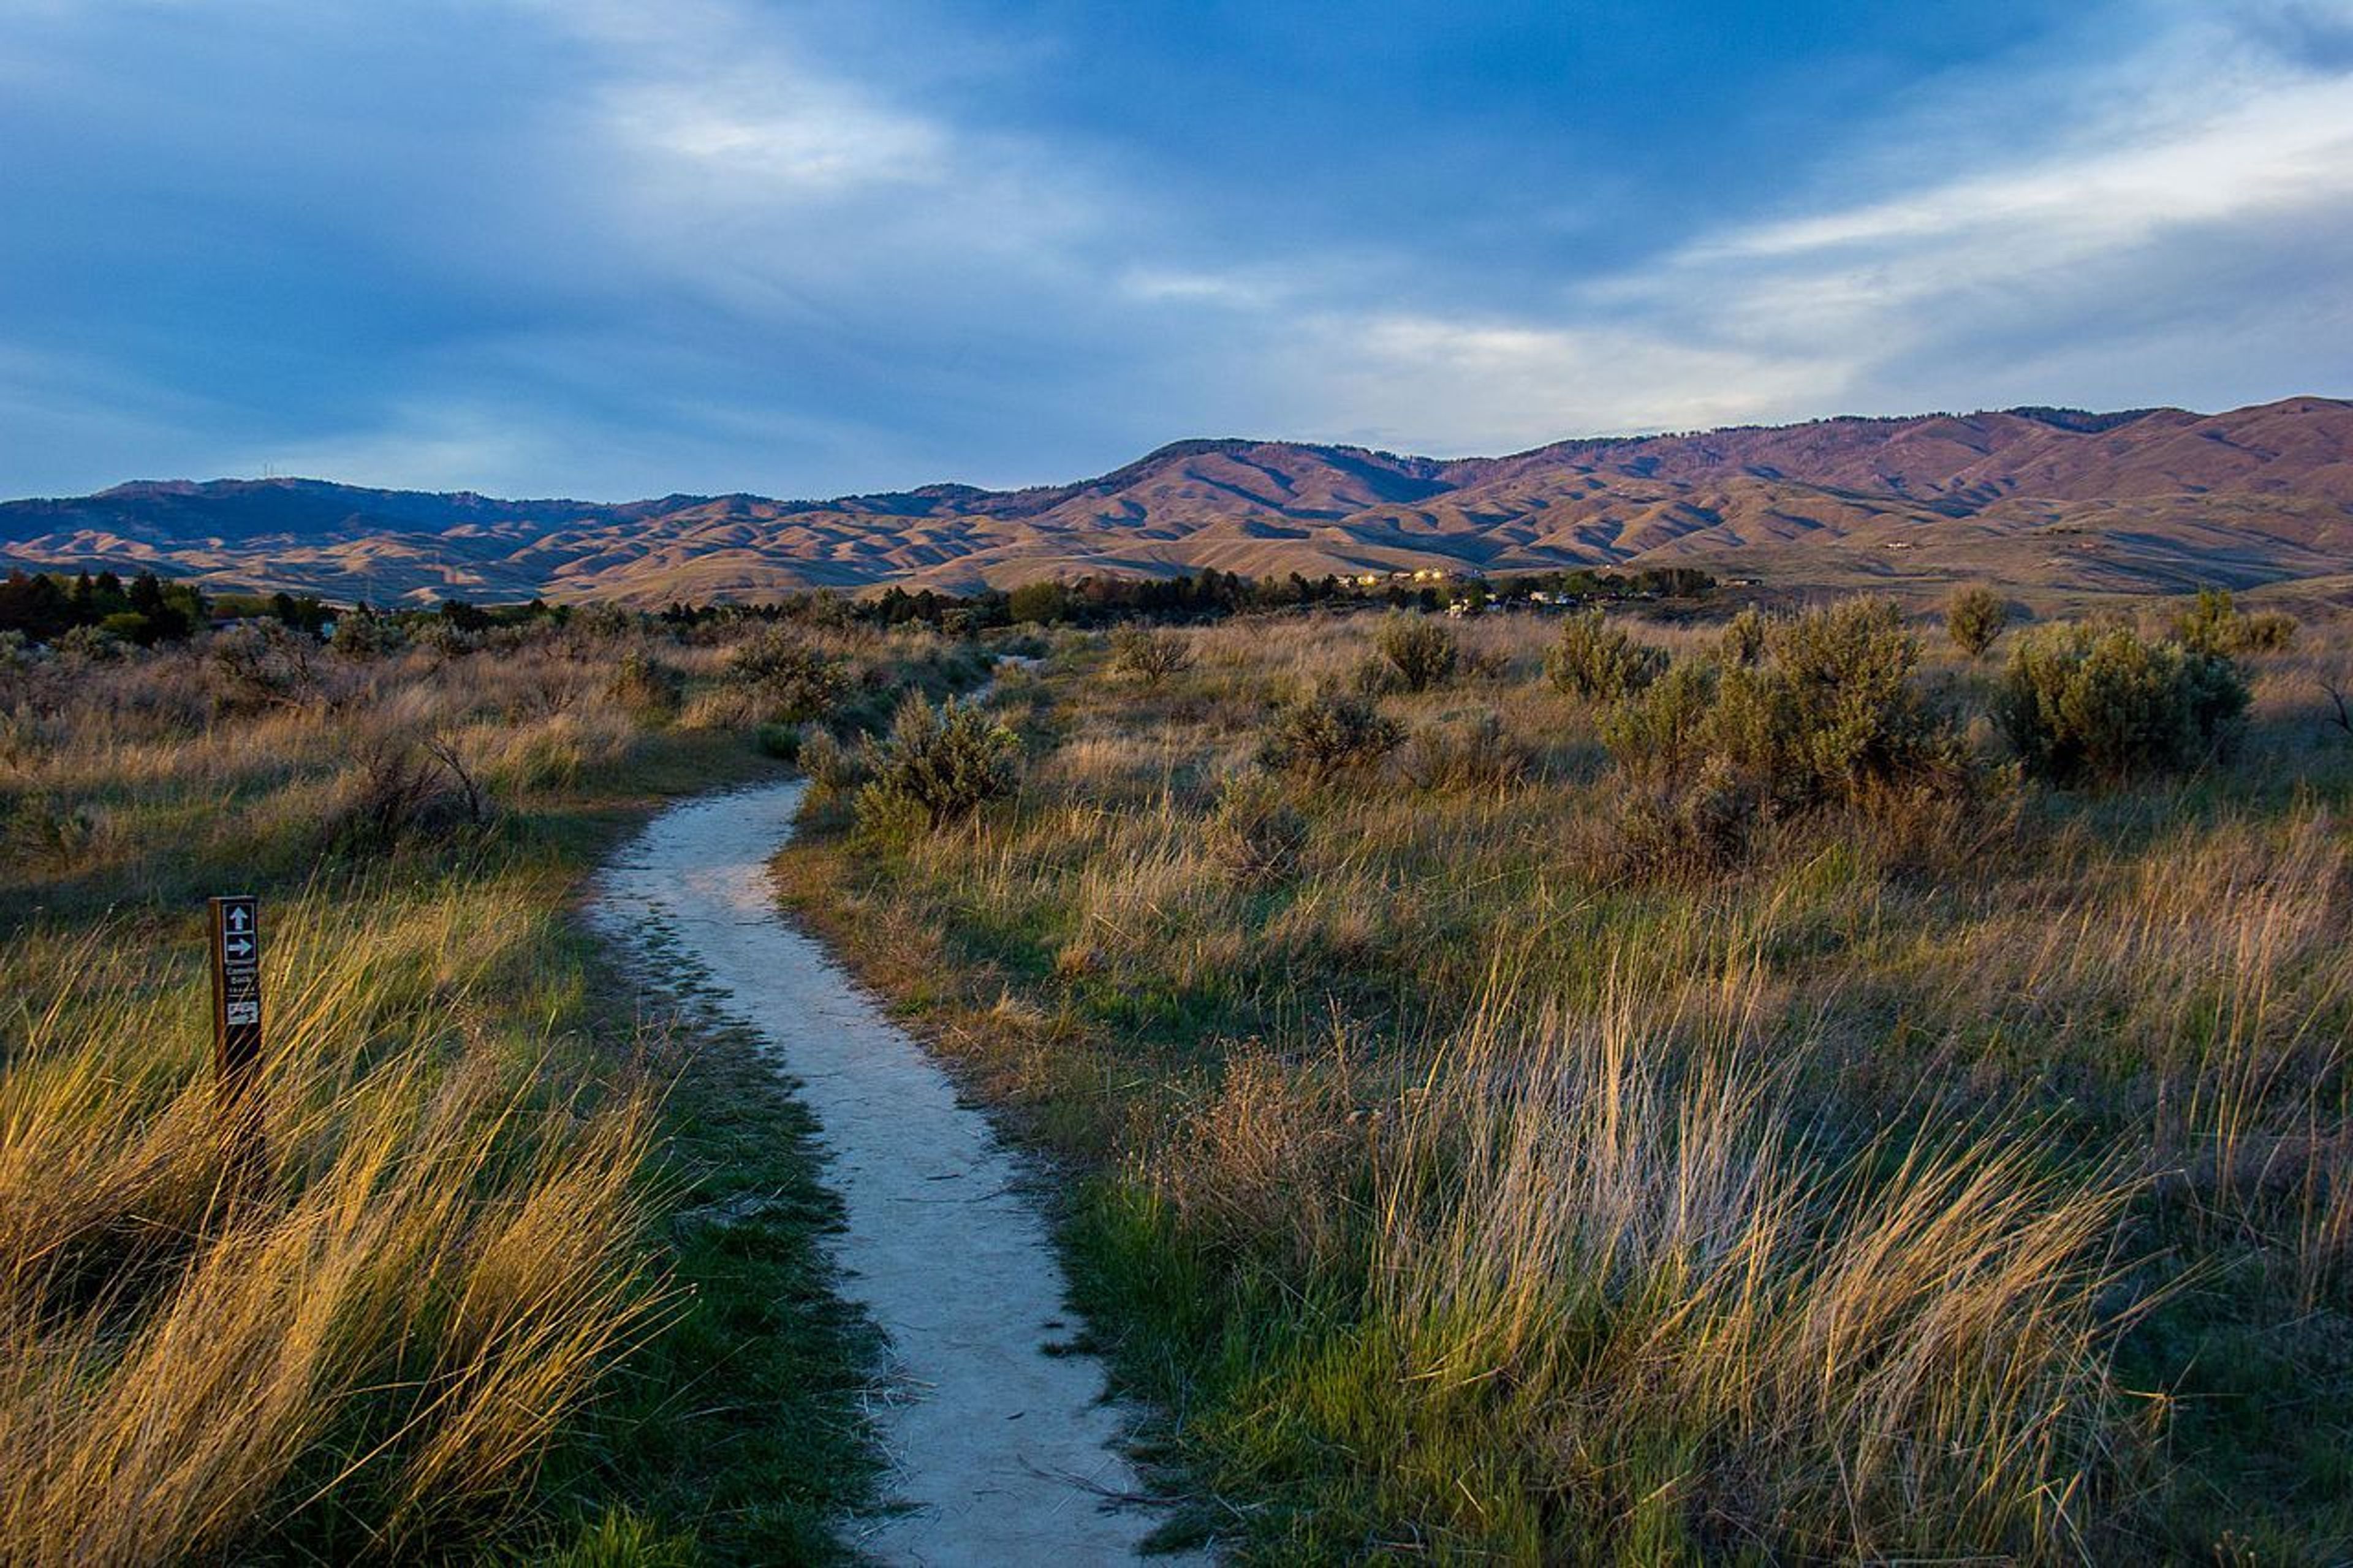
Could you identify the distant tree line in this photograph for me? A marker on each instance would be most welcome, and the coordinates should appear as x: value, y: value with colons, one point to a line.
x: 1097, y: 600
x: 147, y: 610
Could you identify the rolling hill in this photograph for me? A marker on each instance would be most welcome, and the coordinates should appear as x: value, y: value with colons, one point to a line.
x: 2158, y: 499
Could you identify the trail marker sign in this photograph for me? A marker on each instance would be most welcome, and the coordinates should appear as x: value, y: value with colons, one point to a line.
x: 236, y: 993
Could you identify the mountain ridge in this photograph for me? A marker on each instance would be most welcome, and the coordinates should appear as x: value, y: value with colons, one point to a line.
x: 2133, y: 500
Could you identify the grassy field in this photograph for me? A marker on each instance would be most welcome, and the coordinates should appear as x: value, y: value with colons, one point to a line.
x: 1576, y: 1127
x: 486, y: 1293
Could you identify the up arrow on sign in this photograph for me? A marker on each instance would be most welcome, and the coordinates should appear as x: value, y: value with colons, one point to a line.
x: 237, y: 1028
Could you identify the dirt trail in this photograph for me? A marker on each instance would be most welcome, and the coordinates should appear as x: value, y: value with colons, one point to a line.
x: 1001, y: 1453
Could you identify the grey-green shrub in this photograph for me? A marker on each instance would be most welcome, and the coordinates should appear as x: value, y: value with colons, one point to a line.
x: 1327, y: 733
x: 2092, y: 704
x: 1376, y: 677
x: 1420, y: 650
x: 1744, y: 637
x: 2267, y: 631
x: 397, y: 786
x: 90, y: 645
x: 834, y: 771
x: 1699, y: 824
x: 1834, y: 712
x: 2215, y: 625
x: 1596, y: 659
x: 940, y: 762
x: 1831, y: 716
x: 589, y: 624
x: 1659, y: 735
x: 360, y: 633
x: 261, y: 664
x: 652, y: 689
x: 795, y: 680
x: 38, y: 829
x: 1974, y: 617
x: 1151, y: 657
x: 444, y: 641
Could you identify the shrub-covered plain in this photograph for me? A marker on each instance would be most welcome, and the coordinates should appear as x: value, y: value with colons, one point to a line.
x: 1676, y: 1093
x: 1765, y: 1088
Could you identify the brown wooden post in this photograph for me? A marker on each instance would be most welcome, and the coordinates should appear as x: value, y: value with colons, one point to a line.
x: 236, y: 952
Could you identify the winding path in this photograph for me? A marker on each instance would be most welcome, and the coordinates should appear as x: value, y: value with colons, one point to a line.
x: 1001, y: 1453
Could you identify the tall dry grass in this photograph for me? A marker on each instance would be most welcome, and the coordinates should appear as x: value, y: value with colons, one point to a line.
x: 1599, y: 1285
x: 370, y: 1340
x: 366, y: 1346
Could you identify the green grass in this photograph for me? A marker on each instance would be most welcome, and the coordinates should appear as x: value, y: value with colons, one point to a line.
x: 737, y: 1436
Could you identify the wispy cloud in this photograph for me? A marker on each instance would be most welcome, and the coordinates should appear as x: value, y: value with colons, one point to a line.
x: 604, y: 247
x: 2105, y: 263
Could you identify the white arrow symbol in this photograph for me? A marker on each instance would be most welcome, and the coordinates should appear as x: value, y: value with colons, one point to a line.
x: 236, y: 946
x: 238, y: 919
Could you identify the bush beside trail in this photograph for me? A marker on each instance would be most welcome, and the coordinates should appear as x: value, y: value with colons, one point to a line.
x: 794, y: 681
x: 940, y: 762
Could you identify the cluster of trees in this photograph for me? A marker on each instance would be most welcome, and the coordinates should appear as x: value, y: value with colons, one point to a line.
x: 1212, y: 594
x: 45, y: 606
x: 1082, y: 601
x: 306, y: 612
x: 1584, y: 582
x: 147, y: 610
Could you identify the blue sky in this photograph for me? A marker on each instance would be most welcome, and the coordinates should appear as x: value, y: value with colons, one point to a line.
x: 606, y: 249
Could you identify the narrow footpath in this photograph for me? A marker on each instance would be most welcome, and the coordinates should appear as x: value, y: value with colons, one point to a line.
x: 1001, y: 1453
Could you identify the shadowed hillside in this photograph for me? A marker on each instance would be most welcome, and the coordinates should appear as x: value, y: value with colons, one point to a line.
x: 2152, y: 500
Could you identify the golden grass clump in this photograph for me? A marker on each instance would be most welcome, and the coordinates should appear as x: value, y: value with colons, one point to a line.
x: 1605, y: 1271
x: 436, y: 1261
